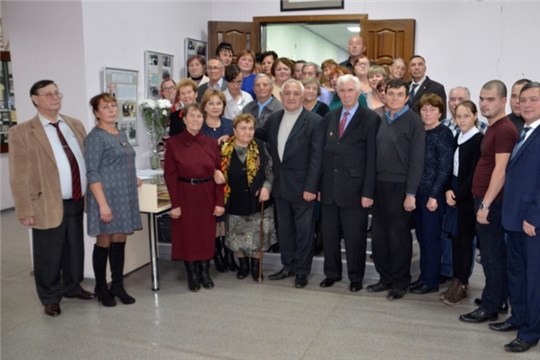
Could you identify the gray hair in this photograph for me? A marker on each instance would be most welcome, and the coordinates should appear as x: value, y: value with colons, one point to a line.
x: 318, y: 69
x: 292, y: 81
x: 259, y: 76
x: 461, y: 87
x: 394, y: 60
x: 346, y: 78
x: 312, y: 80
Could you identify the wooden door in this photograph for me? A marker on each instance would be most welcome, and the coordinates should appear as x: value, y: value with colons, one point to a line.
x: 387, y: 39
x: 241, y: 35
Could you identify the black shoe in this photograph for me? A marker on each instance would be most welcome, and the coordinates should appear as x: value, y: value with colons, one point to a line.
x: 328, y: 282
x: 503, y: 308
x: 218, y: 256
x: 502, y: 327
x: 443, y: 279
x: 194, y: 283
x: 255, y: 269
x: 281, y: 274
x: 424, y: 289
x: 478, y: 316
x: 519, y: 345
x: 355, y: 286
x: 244, y: 268
x: 229, y: 259
x: 395, y: 294
x: 300, y: 281
x: 204, y: 267
x: 378, y: 287
x: 415, y: 284
x: 274, y: 248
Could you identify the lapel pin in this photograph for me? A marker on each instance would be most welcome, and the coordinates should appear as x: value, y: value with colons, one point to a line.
x: 331, y: 133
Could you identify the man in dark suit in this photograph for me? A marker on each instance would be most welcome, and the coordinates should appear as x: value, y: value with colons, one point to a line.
x: 421, y: 84
x: 48, y: 180
x: 515, y: 114
x: 296, y: 139
x: 264, y: 104
x: 521, y: 218
x: 348, y: 183
x: 215, y: 74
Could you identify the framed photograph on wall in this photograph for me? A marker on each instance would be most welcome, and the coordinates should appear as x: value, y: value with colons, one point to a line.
x: 158, y: 66
x: 298, y: 5
x: 195, y: 47
x: 124, y: 86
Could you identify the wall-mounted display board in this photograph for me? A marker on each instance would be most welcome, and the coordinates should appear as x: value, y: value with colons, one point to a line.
x: 195, y: 47
x: 8, y: 116
x: 124, y: 86
x: 158, y: 67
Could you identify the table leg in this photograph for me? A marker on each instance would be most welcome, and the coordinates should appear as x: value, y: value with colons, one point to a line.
x: 152, y: 229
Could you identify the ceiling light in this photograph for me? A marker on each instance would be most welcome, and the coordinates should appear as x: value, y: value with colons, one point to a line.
x: 354, y: 29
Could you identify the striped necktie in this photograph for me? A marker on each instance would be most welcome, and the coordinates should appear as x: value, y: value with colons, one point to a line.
x: 520, y: 141
x: 342, y: 123
x: 76, y: 192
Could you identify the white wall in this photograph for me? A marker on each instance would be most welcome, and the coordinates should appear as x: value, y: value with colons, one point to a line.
x: 301, y: 44
x: 465, y: 43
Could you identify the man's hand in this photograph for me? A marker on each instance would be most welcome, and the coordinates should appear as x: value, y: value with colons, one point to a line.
x: 309, y: 197
x: 529, y: 229
x: 410, y: 203
x: 28, y: 221
x: 176, y: 212
x: 481, y: 216
x: 366, y: 202
x: 450, y: 198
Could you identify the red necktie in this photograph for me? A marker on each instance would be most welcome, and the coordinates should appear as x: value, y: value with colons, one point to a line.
x: 342, y: 123
x: 76, y: 192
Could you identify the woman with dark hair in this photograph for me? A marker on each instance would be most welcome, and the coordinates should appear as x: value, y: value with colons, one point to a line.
x: 312, y: 90
x: 191, y: 160
x: 196, y: 65
x: 225, y: 53
x: 460, y: 218
x: 282, y: 70
x: 112, y: 202
x: 430, y: 197
x: 361, y: 68
x: 267, y: 60
x: 246, y: 63
x: 187, y: 94
x: 381, y: 92
x: 246, y: 164
x: 235, y: 98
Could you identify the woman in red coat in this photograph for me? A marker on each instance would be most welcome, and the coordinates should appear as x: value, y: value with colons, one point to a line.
x: 190, y: 162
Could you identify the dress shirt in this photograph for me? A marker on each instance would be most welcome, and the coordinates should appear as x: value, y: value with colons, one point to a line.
x: 217, y: 86
x: 350, y: 116
x: 233, y: 107
x: 62, y: 162
x: 398, y: 114
x: 326, y: 96
x: 462, y: 138
x: 419, y: 84
x: 262, y: 105
x: 533, y: 126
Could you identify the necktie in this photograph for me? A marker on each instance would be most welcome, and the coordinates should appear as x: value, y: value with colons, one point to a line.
x: 520, y: 141
x: 411, y: 93
x: 76, y: 192
x: 342, y: 123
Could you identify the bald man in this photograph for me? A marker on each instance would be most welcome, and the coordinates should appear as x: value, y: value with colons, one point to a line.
x: 356, y: 48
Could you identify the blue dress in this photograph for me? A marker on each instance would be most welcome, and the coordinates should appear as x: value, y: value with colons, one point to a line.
x: 110, y: 159
x: 247, y: 84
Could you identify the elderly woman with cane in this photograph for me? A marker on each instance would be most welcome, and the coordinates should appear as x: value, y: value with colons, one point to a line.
x: 246, y: 165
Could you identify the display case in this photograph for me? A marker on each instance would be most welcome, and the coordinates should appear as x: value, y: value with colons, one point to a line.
x: 8, y: 116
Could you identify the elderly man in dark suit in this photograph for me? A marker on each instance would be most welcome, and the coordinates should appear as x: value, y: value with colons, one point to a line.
x: 296, y: 138
x: 215, y: 74
x: 348, y: 183
x: 264, y: 104
x: 48, y: 180
x: 422, y: 84
x: 521, y: 218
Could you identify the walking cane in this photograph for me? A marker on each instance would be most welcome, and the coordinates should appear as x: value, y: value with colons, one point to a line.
x: 261, y: 236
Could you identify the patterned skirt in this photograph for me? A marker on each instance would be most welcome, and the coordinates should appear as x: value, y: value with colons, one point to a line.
x: 243, y: 232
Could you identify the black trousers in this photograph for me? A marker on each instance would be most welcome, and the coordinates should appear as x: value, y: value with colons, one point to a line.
x: 391, y: 234
x: 296, y: 231
x: 59, y: 256
x: 354, y: 222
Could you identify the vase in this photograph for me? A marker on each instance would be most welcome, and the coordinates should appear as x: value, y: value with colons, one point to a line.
x: 154, y: 159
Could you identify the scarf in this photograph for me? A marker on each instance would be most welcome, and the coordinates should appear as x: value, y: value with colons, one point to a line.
x: 253, y: 162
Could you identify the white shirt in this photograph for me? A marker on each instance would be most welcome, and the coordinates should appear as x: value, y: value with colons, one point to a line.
x: 462, y: 138
x: 419, y: 84
x: 64, y: 169
x: 217, y: 86
x: 233, y: 107
x: 533, y: 126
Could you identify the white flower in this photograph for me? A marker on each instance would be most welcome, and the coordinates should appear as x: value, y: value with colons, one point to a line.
x: 165, y: 112
x: 164, y: 104
x: 148, y: 104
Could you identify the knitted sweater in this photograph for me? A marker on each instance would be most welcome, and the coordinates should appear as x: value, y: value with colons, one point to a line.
x: 400, y: 150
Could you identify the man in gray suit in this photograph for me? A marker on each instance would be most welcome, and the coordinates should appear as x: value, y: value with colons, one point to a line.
x: 264, y: 104
x: 215, y: 74
x: 296, y: 139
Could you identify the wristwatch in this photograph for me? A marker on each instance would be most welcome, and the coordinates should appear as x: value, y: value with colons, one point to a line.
x: 483, y: 206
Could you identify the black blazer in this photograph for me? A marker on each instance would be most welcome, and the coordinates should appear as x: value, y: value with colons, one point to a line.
x: 349, y: 162
x: 301, y: 167
x: 469, y: 154
x: 201, y: 89
x: 428, y: 87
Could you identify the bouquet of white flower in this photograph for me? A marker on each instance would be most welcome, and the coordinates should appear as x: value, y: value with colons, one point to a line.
x: 156, y: 114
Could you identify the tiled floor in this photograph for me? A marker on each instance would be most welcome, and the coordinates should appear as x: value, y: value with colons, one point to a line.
x: 236, y: 320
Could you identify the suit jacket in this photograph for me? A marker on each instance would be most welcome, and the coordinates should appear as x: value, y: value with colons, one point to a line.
x: 428, y: 87
x: 253, y: 109
x: 349, y: 162
x: 521, y: 199
x: 301, y: 167
x: 202, y: 88
x: 33, y: 172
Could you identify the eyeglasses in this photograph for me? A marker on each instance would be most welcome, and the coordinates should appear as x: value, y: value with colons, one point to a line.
x: 214, y: 68
x: 52, y: 95
x: 169, y: 89
x: 362, y: 64
x: 381, y: 91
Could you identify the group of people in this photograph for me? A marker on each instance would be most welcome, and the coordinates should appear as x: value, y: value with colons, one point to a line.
x: 261, y: 154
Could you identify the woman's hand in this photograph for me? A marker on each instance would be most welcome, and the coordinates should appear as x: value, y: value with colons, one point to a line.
x: 219, y: 178
x: 105, y: 213
x: 175, y: 213
x: 222, y: 139
x: 218, y: 211
x: 432, y: 204
x: 139, y: 182
x: 264, y: 195
x: 450, y: 198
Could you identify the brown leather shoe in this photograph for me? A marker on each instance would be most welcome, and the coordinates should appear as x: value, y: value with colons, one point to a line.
x: 85, y: 295
x: 53, y: 310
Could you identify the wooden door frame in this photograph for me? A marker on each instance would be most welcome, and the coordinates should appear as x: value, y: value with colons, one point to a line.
x: 311, y: 19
